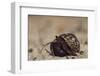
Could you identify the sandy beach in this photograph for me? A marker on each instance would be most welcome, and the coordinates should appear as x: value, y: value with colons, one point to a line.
x: 43, y: 29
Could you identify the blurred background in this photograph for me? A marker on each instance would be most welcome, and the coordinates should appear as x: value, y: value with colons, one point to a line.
x: 43, y: 29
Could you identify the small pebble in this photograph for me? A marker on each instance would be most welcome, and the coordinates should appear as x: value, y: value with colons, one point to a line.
x: 73, y: 57
x: 30, y: 50
x: 67, y: 57
x: 81, y: 52
x: 85, y: 42
x: 34, y: 58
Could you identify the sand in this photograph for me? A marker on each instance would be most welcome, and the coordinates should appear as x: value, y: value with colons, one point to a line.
x: 43, y: 29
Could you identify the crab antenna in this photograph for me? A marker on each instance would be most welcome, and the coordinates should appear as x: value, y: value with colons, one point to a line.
x: 45, y: 46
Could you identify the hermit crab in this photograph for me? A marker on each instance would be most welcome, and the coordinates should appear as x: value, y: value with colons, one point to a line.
x: 64, y: 45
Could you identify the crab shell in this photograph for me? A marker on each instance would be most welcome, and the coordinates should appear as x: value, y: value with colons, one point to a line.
x: 65, y: 45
